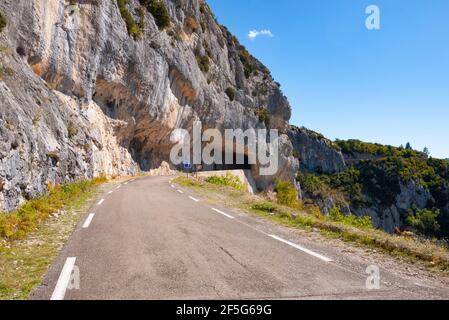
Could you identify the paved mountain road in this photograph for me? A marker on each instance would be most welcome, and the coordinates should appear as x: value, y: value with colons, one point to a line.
x: 148, y: 239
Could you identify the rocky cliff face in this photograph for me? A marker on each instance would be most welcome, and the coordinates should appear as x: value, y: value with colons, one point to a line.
x: 315, y: 152
x: 80, y: 97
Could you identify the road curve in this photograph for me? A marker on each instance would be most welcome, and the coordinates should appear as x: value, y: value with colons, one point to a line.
x: 149, y: 239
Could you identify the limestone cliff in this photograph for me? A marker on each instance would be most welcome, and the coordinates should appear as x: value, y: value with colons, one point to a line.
x: 88, y: 88
x: 315, y: 152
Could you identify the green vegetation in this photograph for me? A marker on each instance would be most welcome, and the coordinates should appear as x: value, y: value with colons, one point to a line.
x: 72, y: 130
x: 359, y: 222
x: 424, y: 221
x: 17, y: 224
x: 230, y: 92
x: 134, y: 28
x: 375, y: 177
x: 349, y: 229
x: 6, y: 71
x: 203, y: 63
x: 23, y: 263
x: 2, y: 22
x: 38, y: 116
x: 159, y: 11
x: 246, y: 60
x: 229, y: 180
x: 287, y: 194
x: 264, y: 116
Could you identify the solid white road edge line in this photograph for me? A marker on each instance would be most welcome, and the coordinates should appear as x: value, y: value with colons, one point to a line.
x: 225, y: 214
x: 180, y: 191
x: 64, y: 279
x: 88, y: 221
x: 316, y: 255
x: 194, y: 199
x: 100, y: 202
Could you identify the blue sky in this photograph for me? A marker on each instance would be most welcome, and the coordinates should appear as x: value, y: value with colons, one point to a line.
x: 389, y: 86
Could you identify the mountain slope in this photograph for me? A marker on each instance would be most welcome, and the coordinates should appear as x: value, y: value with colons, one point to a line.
x: 96, y: 87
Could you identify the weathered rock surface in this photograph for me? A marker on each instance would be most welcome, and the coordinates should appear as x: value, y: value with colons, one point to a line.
x: 315, y: 152
x: 84, y: 98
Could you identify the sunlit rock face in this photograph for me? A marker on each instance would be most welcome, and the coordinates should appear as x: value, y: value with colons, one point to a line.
x: 85, y: 98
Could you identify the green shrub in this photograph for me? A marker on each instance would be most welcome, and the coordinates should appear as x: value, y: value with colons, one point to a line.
x: 351, y: 220
x: 264, y: 207
x: 203, y: 63
x: 2, y: 22
x: 134, y: 29
x: 159, y: 11
x: 264, y: 116
x: 38, y: 116
x: 287, y: 194
x: 230, y: 92
x: 424, y: 221
x: 72, y: 130
x: 246, y: 60
x: 229, y: 180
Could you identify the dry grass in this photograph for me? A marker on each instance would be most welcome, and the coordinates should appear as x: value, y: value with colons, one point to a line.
x: 429, y: 253
x: 24, y: 262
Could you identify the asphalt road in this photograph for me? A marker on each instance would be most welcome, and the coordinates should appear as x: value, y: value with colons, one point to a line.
x: 148, y: 239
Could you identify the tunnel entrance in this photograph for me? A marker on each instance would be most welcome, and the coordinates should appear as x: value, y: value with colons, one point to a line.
x: 226, y: 167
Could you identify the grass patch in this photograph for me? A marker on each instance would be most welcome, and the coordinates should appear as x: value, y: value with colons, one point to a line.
x: 17, y: 224
x: 350, y: 229
x: 229, y: 180
x: 24, y: 262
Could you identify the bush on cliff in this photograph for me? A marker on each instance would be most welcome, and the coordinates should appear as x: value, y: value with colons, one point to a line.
x: 134, y: 29
x: 287, y: 194
x: 159, y: 11
x: 230, y: 92
x: 2, y: 22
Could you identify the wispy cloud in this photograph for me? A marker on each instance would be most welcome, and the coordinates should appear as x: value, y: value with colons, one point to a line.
x: 253, y: 34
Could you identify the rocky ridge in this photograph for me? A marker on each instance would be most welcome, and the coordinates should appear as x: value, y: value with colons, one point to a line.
x: 81, y: 97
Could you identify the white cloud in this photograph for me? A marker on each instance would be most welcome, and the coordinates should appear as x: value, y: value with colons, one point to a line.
x: 253, y: 34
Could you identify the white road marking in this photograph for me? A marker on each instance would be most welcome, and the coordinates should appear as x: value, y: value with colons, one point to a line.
x: 118, y: 187
x: 100, y: 202
x: 225, y: 214
x: 64, y: 279
x: 180, y: 191
x: 194, y: 199
x: 125, y: 183
x: 173, y: 186
x: 88, y: 220
x: 110, y: 192
x: 316, y: 255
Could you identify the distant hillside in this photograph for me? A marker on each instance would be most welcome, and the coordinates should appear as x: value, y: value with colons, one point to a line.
x: 398, y: 187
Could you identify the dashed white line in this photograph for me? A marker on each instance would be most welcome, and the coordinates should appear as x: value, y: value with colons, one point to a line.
x: 225, y: 214
x: 88, y: 221
x: 100, y: 202
x: 194, y: 199
x: 125, y: 183
x: 294, y: 245
x: 118, y: 187
x: 173, y: 186
x: 64, y: 279
x: 180, y: 191
x: 110, y: 192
